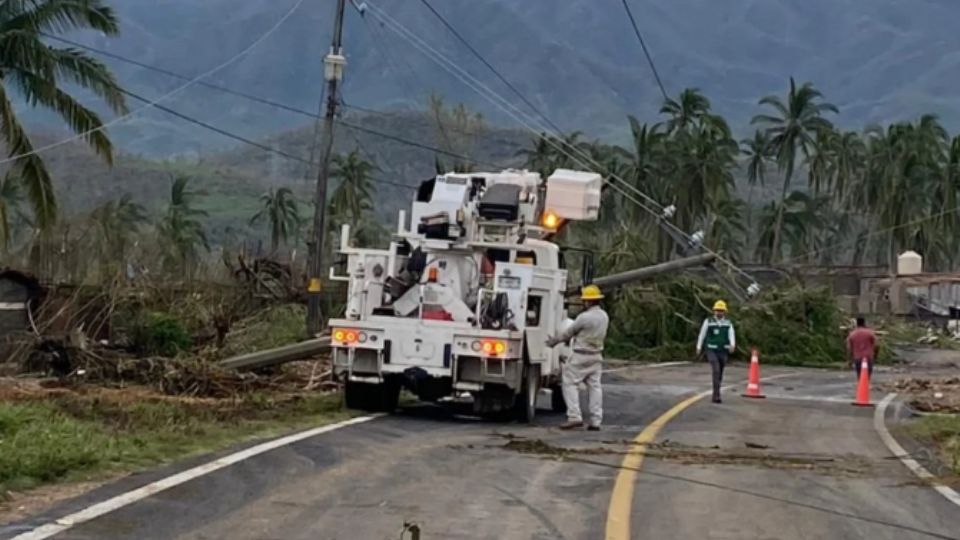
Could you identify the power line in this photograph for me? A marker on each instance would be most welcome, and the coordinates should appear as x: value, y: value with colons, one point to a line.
x: 646, y: 52
x: 473, y: 133
x: 261, y: 100
x: 403, y: 76
x: 180, y: 76
x: 410, y: 143
x: 480, y: 57
x: 242, y: 139
x: 525, y: 120
x: 166, y: 96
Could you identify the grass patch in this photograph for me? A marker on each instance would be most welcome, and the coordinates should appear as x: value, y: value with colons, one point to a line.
x: 942, y: 432
x: 75, y: 436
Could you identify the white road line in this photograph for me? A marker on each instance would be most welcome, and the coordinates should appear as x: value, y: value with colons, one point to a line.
x: 646, y: 366
x: 130, y: 497
x: 880, y: 424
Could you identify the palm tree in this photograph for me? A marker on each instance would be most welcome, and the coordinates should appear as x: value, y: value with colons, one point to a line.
x: 792, y: 130
x: 821, y: 162
x: 802, y: 216
x: 849, y: 157
x: 282, y: 214
x: 353, y: 197
x: 39, y: 73
x: 725, y: 228
x: 181, y: 228
x: 689, y: 107
x: 540, y: 156
x: 757, y: 152
x: 10, y: 199
x: 902, y: 184
x: 115, y: 223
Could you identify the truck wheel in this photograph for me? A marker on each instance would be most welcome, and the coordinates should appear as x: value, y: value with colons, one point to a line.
x: 525, y: 406
x: 557, y: 403
x: 372, y: 397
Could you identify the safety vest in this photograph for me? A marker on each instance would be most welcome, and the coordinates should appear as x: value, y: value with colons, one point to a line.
x: 718, y: 334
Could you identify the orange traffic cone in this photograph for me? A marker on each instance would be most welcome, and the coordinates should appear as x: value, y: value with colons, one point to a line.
x: 753, y: 380
x: 863, y: 386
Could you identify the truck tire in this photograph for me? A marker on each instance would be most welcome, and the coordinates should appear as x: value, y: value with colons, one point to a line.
x: 382, y: 397
x: 525, y: 406
x: 557, y: 403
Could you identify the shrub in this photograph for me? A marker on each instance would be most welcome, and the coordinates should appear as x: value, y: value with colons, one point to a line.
x: 160, y: 334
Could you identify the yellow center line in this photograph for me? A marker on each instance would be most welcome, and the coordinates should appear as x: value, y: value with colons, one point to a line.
x: 621, y: 500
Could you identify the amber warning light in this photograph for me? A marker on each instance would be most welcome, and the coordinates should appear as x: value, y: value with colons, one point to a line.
x: 551, y: 220
x: 493, y: 348
x: 348, y: 337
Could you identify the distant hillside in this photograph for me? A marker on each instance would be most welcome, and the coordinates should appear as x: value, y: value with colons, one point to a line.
x: 578, y: 60
x: 236, y: 178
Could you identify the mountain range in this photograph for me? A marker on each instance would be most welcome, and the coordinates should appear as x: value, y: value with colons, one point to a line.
x: 578, y: 61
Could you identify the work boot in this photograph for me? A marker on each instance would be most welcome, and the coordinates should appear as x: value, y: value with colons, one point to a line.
x: 717, y: 400
x: 571, y: 424
x: 593, y: 428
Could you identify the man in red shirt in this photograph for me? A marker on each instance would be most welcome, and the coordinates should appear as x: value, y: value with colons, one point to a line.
x: 862, y: 343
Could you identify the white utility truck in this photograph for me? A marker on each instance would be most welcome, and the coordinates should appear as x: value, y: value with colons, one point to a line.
x: 461, y: 303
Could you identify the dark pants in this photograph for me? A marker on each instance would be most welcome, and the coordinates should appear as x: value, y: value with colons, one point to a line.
x: 718, y: 361
x: 856, y: 366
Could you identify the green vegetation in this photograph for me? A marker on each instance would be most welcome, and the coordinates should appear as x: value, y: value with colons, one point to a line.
x: 69, y: 436
x: 791, y: 326
x: 160, y: 334
x: 942, y: 432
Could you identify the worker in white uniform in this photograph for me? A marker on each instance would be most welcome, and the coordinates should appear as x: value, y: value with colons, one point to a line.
x: 586, y: 334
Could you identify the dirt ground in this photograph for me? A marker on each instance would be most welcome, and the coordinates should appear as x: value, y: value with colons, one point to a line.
x: 930, y: 380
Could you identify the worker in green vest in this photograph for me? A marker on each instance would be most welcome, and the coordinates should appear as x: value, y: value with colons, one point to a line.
x: 718, y: 338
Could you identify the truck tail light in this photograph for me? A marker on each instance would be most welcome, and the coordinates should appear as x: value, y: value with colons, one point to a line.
x: 346, y: 336
x: 493, y: 347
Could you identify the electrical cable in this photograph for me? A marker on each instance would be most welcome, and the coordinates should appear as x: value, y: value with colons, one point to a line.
x: 166, y: 96
x: 646, y: 52
x: 264, y: 101
x: 526, y: 120
x: 483, y: 60
x: 315, y: 140
x: 390, y: 114
x: 387, y: 54
x: 872, y: 235
x: 499, y: 101
x: 409, y: 143
x: 243, y: 139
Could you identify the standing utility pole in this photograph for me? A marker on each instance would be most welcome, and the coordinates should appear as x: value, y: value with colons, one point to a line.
x: 333, y: 64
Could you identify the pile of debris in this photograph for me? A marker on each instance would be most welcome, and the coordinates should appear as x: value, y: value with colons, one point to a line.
x: 941, y: 395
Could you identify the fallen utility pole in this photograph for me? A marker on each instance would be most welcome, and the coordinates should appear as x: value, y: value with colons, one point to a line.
x: 616, y: 280
x: 333, y: 64
x: 280, y: 355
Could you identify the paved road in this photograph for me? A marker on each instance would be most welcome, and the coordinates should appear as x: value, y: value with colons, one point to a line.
x: 825, y: 474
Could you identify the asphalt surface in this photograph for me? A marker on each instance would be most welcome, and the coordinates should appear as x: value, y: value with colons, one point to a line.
x: 801, y: 464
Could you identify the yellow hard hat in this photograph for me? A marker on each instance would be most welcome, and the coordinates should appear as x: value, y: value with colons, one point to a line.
x: 720, y: 305
x: 591, y: 292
